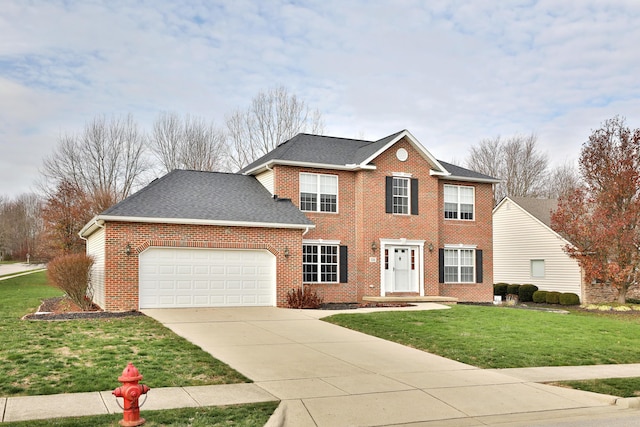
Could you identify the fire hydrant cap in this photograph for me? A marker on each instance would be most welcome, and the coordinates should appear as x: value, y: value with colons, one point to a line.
x: 130, y: 373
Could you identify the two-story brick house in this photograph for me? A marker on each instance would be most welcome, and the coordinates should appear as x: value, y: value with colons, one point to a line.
x: 350, y: 218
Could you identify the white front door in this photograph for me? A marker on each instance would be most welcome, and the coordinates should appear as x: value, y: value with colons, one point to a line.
x: 401, y: 267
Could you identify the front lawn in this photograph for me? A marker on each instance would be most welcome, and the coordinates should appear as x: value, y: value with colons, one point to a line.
x: 242, y: 416
x: 41, y: 357
x: 502, y: 337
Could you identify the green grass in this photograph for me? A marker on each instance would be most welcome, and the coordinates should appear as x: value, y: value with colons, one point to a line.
x: 242, y: 416
x: 621, y: 387
x: 40, y: 357
x: 500, y: 337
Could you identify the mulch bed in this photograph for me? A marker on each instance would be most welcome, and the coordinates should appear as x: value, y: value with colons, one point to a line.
x: 62, y: 308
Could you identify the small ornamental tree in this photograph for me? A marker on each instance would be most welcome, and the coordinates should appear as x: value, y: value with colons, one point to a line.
x: 72, y: 274
x: 601, y: 219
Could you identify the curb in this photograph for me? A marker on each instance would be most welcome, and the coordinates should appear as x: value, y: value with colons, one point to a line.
x: 628, y: 402
x: 278, y: 417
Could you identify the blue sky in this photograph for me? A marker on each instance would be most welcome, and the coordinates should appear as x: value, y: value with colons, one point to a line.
x: 451, y: 72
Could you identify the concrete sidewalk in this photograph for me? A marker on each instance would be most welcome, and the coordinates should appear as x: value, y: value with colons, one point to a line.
x: 25, y: 408
x: 9, y: 271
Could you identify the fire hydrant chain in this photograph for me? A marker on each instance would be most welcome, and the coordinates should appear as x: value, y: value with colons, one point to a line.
x: 130, y: 391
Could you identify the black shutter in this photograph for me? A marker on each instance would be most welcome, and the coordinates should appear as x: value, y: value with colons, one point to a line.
x: 478, y: 266
x: 441, y: 265
x: 344, y: 260
x: 389, y: 195
x: 414, y: 196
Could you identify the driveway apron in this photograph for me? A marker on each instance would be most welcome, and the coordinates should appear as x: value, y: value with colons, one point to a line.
x: 330, y: 376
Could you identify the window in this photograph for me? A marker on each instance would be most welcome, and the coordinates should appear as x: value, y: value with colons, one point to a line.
x: 319, y: 263
x: 400, y: 195
x: 458, y: 202
x: 459, y: 266
x: 318, y: 193
x: 537, y: 268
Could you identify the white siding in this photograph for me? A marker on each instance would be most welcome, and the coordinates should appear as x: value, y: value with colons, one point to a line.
x: 266, y: 179
x: 519, y: 238
x: 95, y: 248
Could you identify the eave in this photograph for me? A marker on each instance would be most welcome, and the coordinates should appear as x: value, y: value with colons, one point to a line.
x: 88, y: 229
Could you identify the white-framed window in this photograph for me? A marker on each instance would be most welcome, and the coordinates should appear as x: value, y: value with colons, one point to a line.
x: 318, y: 192
x: 401, y: 194
x: 459, y: 202
x: 459, y: 265
x: 320, y: 263
x: 537, y: 268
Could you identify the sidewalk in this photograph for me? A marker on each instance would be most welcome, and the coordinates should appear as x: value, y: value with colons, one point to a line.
x: 9, y: 271
x: 23, y: 408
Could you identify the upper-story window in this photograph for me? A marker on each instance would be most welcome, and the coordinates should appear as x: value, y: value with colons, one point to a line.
x: 459, y: 202
x: 318, y: 192
x: 401, y: 195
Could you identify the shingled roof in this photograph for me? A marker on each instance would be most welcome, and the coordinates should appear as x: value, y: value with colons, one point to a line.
x: 208, y: 197
x: 539, y: 208
x: 345, y: 153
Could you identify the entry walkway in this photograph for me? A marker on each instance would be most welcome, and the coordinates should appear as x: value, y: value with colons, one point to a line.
x: 326, y: 375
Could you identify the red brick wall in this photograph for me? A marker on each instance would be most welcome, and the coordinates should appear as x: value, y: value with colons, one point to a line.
x: 361, y: 220
x: 477, y: 232
x: 121, y: 270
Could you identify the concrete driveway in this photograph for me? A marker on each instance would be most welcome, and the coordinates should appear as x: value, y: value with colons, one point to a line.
x: 330, y: 376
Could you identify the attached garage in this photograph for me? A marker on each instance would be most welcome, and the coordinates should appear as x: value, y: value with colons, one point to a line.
x: 188, y: 277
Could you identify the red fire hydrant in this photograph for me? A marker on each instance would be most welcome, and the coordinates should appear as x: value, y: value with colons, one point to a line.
x: 130, y: 391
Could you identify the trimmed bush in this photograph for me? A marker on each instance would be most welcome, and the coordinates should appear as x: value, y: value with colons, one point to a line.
x: 301, y: 298
x: 72, y: 274
x: 540, y: 297
x: 553, y: 297
x: 500, y: 289
x: 525, y: 293
x: 569, y: 299
x: 513, y: 289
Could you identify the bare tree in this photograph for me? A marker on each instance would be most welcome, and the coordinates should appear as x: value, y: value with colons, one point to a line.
x: 516, y: 160
x: 105, y: 160
x: 20, y: 225
x: 273, y: 117
x: 562, y: 181
x: 189, y: 143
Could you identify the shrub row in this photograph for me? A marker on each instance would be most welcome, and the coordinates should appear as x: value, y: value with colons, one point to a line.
x: 552, y: 297
x: 530, y: 293
x: 524, y: 292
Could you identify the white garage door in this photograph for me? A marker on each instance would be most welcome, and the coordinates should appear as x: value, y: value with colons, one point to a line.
x: 181, y: 277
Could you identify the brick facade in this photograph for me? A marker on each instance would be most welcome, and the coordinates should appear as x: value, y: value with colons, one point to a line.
x: 121, y: 280
x: 360, y: 222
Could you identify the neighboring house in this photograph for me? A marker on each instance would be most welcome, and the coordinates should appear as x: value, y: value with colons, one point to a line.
x: 350, y: 218
x: 527, y: 250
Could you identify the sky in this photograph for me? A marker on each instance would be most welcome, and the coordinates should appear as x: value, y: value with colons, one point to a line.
x: 451, y: 72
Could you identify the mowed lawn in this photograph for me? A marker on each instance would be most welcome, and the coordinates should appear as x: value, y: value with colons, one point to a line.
x: 48, y: 357
x: 502, y: 337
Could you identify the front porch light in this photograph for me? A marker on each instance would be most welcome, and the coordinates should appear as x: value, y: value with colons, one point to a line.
x: 374, y: 246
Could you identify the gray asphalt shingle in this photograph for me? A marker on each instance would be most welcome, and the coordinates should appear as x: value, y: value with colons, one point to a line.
x: 186, y: 194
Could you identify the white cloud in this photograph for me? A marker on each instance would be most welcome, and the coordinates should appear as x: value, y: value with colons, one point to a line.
x: 451, y: 72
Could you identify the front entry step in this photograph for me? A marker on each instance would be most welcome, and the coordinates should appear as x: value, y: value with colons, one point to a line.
x: 438, y: 299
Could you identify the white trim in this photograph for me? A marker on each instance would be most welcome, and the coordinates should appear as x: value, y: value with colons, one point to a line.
x: 402, y: 174
x: 402, y: 242
x: 415, y: 144
x: 188, y: 221
x: 469, y: 179
x: 460, y: 246
x: 320, y: 242
x: 271, y: 163
x: 318, y: 193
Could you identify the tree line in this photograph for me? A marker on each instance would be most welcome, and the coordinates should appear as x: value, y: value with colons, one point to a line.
x: 111, y: 157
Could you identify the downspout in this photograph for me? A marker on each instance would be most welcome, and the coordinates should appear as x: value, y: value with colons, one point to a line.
x: 95, y: 221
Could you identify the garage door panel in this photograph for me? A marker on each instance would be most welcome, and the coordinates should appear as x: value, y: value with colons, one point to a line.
x: 178, y: 277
